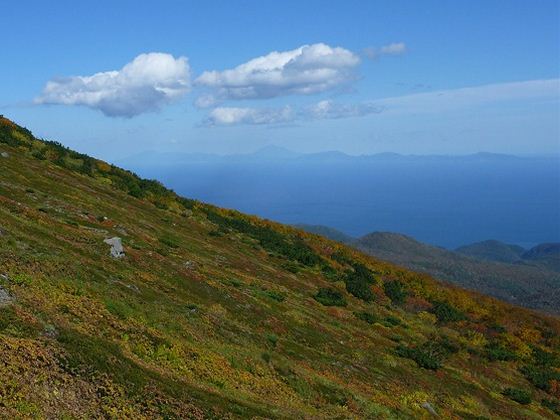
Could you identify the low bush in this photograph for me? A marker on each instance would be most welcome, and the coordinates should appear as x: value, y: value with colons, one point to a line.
x: 495, y: 351
x: 169, y: 241
x: 395, y: 291
x: 518, y: 395
x: 552, y: 405
x: 272, y: 339
x: 274, y: 295
x: 391, y: 321
x: 366, y: 316
x: 445, y: 312
x: 358, y: 281
x: 429, y: 355
x: 425, y: 356
x: 545, y: 358
x: 330, y: 297
x: 540, y: 376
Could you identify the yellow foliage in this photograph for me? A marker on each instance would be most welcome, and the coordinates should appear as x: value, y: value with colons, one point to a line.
x: 530, y: 335
x: 415, y: 400
x: 103, y: 167
x: 19, y: 136
x: 476, y: 339
x: 427, y: 317
x: 520, y: 348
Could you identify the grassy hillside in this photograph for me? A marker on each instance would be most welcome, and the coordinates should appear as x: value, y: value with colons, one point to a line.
x: 533, y: 286
x: 215, y: 314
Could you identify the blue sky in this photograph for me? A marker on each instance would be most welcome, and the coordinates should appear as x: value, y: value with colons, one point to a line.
x: 446, y: 77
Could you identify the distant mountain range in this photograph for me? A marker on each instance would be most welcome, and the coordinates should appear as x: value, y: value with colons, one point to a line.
x: 276, y: 153
x: 529, y: 278
x: 438, y: 199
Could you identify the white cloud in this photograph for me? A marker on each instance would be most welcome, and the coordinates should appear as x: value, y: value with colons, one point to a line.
x: 471, y: 97
x: 332, y: 110
x: 437, y: 102
x: 223, y: 116
x: 145, y: 84
x: 305, y: 70
x: 206, y: 101
x: 395, y: 48
x: 227, y: 116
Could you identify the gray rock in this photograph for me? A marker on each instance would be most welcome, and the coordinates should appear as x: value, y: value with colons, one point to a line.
x: 430, y: 409
x: 5, y: 297
x: 133, y: 287
x: 4, y: 154
x: 117, y: 250
x: 50, y: 331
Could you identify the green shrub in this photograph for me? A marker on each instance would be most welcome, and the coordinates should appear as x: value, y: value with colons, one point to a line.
x: 494, y: 351
x: 545, y: 358
x: 22, y: 279
x: 290, y: 266
x: 277, y: 296
x: 330, y: 297
x: 332, y: 393
x: 366, y: 316
x: 425, y: 356
x: 552, y: 405
x: 540, y: 376
x: 359, y: 289
x: 445, y: 312
x: 274, y: 242
x: 272, y: 339
x: 395, y: 291
x: 430, y: 354
x: 329, y: 272
x: 391, y: 321
x: 518, y: 395
x: 169, y: 241
x: 358, y: 282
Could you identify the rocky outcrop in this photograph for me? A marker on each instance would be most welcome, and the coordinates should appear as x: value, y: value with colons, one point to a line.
x: 5, y: 297
x: 117, y: 250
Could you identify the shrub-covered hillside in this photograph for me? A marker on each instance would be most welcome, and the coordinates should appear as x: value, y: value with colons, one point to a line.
x: 216, y: 314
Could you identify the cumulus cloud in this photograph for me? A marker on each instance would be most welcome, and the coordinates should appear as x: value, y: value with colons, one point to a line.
x: 305, y: 70
x: 145, y: 84
x: 227, y: 116
x: 396, y: 48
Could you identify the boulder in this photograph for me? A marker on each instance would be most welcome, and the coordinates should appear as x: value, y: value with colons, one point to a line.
x: 426, y: 405
x: 4, y: 154
x: 5, y: 297
x: 117, y: 250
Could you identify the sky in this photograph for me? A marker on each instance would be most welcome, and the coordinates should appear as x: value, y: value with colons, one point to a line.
x: 117, y: 78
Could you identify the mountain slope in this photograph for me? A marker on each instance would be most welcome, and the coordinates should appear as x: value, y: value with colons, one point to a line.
x: 492, y: 250
x: 327, y: 232
x: 531, y: 286
x: 215, y: 314
x: 547, y: 255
